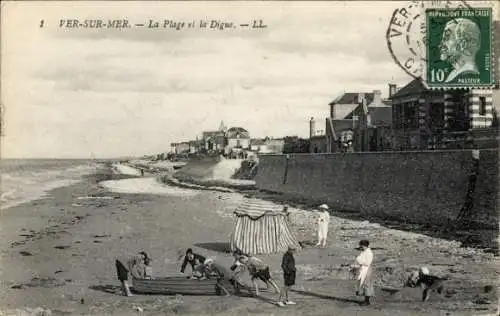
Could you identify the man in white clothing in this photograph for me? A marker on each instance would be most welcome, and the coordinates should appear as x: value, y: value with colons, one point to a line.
x: 323, y: 221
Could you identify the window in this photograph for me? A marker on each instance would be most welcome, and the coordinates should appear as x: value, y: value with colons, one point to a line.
x: 436, y: 113
x: 482, y: 106
x: 410, y: 112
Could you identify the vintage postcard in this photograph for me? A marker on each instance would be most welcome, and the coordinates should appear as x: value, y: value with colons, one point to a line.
x: 249, y: 158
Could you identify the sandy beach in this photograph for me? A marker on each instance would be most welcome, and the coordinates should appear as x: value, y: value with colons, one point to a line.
x: 58, y: 254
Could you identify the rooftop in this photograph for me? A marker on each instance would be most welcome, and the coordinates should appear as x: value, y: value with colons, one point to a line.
x: 414, y: 87
x: 353, y: 98
x: 235, y: 132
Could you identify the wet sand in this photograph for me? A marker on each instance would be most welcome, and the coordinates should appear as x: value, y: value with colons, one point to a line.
x: 65, y: 260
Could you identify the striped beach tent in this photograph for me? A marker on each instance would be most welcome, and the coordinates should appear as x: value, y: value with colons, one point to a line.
x: 261, y: 228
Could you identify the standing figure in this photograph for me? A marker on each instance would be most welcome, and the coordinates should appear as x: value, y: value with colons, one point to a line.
x: 363, y: 264
x: 288, y: 266
x: 323, y: 222
x: 196, y: 262
x: 216, y: 271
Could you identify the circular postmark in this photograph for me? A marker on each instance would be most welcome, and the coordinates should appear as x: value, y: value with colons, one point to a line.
x: 406, y: 34
x: 404, y: 38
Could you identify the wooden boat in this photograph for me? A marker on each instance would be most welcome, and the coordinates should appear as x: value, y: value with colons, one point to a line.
x: 180, y: 285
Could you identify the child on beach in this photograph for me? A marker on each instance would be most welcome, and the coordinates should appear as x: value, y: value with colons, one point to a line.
x: 215, y: 271
x: 196, y: 262
x: 238, y: 268
x: 258, y: 270
x: 323, y: 222
x: 288, y: 266
x: 363, y: 267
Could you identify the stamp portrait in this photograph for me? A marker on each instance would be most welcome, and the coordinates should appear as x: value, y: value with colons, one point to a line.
x: 459, y: 47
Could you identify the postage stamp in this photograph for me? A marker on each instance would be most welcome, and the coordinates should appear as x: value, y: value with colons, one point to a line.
x: 406, y: 34
x: 459, y: 48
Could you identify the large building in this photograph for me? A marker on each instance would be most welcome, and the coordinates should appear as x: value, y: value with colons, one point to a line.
x: 214, y: 140
x: 358, y: 121
x: 430, y: 119
x: 225, y: 140
x: 238, y: 139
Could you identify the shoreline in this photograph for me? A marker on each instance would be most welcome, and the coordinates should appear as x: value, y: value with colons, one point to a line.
x: 72, y: 244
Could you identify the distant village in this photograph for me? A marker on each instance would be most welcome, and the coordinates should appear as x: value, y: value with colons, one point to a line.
x: 411, y: 118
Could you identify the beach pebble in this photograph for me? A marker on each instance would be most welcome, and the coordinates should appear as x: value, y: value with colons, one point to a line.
x: 482, y: 301
x: 138, y: 308
x: 39, y: 311
x: 47, y: 312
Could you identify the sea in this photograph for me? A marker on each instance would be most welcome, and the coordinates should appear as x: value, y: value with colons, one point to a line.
x: 24, y: 180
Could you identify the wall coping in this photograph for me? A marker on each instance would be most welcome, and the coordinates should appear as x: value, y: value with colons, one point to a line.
x: 407, y: 152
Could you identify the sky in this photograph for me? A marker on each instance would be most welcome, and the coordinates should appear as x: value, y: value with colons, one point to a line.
x: 130, y: 92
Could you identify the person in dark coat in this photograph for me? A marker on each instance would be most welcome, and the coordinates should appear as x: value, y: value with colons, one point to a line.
x: 288, y: 266
x: 196, y: 261
x: 122, y: 273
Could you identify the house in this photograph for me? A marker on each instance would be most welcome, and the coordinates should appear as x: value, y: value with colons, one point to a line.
x: 317, y: 138
x: 273, y: 146
x: 373, y: 128
x: 430, y: 119
x: 195, y: 146
x: 256, y: 144
x: 214, y: 140
x: 358, y: 122
x: 180, y: 148
x: 267, y: 145
x: 237, y: 139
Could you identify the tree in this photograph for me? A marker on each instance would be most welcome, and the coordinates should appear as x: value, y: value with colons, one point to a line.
x: 295, y: 145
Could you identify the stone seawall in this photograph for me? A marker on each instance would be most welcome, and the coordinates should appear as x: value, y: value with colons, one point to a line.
x: 426, y: 187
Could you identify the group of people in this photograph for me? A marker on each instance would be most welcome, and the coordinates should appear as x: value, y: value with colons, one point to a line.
x: 202, y: 268
x: 206, y: 268
x: 361, y: 269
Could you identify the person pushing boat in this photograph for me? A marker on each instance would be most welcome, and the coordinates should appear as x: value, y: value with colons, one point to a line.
x: 259, y: 270
x: 216, y: 271
x: 138, y: 266
x: 196, y: 261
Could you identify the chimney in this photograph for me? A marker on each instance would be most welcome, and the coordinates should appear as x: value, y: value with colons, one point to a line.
x: 312, y: 127
x: 392, y: 89
x: 377, y: 97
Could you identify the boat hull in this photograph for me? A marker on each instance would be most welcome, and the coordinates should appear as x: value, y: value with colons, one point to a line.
x: 175, y: 285
x: 181, y: 285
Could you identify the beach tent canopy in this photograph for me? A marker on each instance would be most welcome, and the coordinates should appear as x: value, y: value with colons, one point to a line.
x: 261, y: 228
